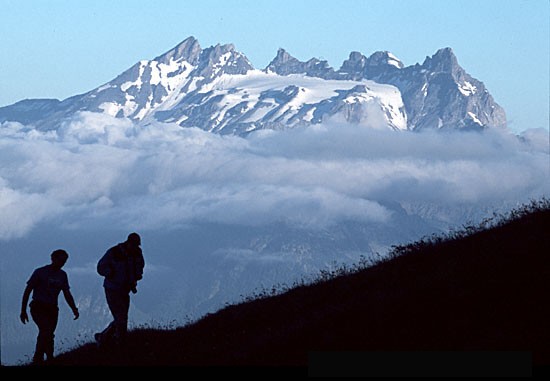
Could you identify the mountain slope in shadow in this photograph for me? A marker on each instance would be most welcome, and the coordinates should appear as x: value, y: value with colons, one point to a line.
x: 481, y: 289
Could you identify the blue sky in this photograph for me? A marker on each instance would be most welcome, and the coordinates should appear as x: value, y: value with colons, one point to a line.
x: 60, y: 48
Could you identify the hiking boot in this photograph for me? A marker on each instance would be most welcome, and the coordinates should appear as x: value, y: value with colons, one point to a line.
x: 98, y: 339
x: 37, y: 360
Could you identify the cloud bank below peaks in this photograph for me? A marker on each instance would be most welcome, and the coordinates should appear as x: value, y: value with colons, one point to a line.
x: 96, y: 170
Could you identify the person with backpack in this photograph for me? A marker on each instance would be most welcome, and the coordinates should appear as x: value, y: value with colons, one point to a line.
x: 122, y: 267
x: 45, y: 284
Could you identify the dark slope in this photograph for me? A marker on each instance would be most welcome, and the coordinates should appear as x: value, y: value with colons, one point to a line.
x: 479, y: 289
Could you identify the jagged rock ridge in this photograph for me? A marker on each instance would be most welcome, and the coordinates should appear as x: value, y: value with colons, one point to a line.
x: 217, y: 89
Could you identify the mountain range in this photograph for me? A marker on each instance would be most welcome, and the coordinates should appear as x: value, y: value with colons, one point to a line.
x: 217, y: 89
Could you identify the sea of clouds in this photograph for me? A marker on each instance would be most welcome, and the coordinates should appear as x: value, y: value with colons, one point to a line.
x: 96, y: 168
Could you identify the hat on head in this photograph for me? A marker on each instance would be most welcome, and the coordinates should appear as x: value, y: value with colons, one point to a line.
x: 134, y: 238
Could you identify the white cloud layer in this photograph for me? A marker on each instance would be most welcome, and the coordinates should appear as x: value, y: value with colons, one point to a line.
x: 96, y: 169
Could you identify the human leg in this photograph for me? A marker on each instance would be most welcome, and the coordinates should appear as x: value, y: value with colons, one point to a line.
x: 104, y: 337
x: 119, y: 305
x: 45, y: 317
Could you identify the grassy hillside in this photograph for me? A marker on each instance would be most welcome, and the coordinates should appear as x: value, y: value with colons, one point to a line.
x: 484, y: 288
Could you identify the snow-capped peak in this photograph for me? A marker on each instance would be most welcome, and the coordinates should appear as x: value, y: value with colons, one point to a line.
x: 384, y: 58
x: 218, y: 89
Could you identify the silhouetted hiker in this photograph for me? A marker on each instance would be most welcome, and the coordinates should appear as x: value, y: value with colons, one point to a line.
x: 45, y: 284
x: 122, y: 266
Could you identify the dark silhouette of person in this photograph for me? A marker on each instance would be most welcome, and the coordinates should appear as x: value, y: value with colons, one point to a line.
x: 45, y: 284
x: 122, y: 267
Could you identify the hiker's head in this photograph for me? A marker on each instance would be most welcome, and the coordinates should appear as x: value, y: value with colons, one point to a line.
x: 133, y: 240
x: 59, y: 258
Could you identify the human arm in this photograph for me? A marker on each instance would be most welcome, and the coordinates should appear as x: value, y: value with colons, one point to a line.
x: 26, y: 294
x: 140, y: 264
x: 70, y: 301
